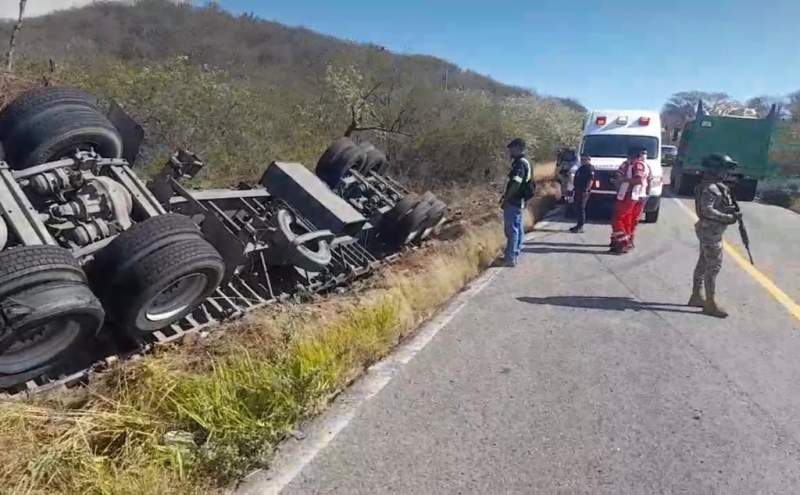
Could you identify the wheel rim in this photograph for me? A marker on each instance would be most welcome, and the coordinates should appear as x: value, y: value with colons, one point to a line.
x: 176, y: 297
x: 42, y: 342
x: 70, y: 150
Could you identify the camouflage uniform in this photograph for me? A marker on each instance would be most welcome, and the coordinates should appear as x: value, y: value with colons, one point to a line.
x: 715, y: 208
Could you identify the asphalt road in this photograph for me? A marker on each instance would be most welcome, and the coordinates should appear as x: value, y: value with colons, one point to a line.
x: 583, y: 372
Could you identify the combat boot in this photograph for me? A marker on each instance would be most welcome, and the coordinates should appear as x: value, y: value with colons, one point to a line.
x: 697, y: 301
x: 711, y: 308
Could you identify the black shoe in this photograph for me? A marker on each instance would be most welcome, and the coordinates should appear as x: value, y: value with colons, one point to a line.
x: 576, y: 230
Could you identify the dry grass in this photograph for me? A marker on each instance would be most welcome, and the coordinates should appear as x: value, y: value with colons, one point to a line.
x: 12, y: 85
x: 192, y: 418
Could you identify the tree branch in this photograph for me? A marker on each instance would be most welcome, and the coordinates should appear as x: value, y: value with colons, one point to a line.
x: 379, y: 128
x: 13, y: 41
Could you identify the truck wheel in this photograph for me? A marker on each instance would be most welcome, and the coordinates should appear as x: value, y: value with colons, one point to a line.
x: 367, y: 147
x: 3, y: 234
x: 685, y: 184
x: 401, y: 208
x: 435, y: 217
x: 38, y: 100
x: 338, y: 159
x: 375, y: 160
x: 58, y: 132
x: 47, y: 309
x: 411, y: 224
x: 151, y: 234
x: 151, y: 281
x: 651, y: 216
x: 301, y: 247
x: 745, y: 190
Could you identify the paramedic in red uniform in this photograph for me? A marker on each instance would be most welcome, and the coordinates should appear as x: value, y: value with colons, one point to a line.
x: 631, y: 188
x: 648, y: 176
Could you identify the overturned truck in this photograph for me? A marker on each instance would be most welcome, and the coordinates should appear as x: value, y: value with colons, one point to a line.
x: 97, y: 265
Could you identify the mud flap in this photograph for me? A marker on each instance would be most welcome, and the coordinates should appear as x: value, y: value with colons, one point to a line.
x: 132, y: 133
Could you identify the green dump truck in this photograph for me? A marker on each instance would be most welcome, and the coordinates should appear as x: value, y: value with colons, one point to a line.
x: 745, y: 139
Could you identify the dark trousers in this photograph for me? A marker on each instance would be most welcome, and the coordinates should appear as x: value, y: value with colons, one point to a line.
x: 581, y: 199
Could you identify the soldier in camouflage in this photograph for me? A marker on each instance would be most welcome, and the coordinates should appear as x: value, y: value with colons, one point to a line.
x: 715, y: 209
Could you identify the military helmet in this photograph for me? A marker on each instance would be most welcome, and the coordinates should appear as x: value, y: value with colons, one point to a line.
x: 718, y: 161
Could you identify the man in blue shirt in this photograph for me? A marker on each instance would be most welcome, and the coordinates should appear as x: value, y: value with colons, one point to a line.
x: 513, y: 201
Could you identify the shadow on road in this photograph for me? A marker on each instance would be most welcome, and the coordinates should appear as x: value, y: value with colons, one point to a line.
x: 556, y: 249
x: 564, y: 244
x: 544, y: 250
x: 608, y: 303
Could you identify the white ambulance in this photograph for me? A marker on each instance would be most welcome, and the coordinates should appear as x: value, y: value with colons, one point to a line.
x: 607, y: 137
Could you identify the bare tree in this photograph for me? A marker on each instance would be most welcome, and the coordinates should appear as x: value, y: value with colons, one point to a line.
x: 14, y: 33
x: 372, y: 104
x: 681, y: 107
x: 794, y: 105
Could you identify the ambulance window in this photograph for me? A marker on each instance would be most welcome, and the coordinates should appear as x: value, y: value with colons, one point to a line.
x: 617, y: 146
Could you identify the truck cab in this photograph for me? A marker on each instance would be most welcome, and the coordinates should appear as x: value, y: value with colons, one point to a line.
x: 607, y: 137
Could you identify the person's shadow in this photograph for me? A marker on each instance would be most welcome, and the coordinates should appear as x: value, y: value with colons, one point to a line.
x: 563, y: 247
x: 608, y: 303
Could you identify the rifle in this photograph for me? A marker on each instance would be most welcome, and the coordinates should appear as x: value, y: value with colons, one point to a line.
x: 742, y: 230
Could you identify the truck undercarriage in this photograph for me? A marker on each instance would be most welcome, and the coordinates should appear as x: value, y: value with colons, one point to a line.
x: 97, y: 265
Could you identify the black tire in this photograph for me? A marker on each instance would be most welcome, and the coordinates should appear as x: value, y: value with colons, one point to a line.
x: 28, y: 266
x: 334, y: 150
x: 685, y: 184
x: 429, y: 199
x: 411, y: 224
x: 401, y: 208
x: 651, y: 216
x: 367, y: 147
x: 428, y: 196
x: 383, y: 168
x: 374, y: 161
x: 745, y: 190
x: 338, y: 159
x: 147, y: 259
x: 139, y: 240
x: 48, y: 310
x: 435, y: 216
x: 163, y: 286
x: 3, y: 234
x: 38, y: 100
x: 58, y: 132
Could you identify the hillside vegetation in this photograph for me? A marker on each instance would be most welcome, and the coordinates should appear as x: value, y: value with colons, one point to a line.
x: 241, y: 92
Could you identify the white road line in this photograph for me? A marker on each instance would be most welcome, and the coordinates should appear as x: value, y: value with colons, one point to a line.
x: 295, y: 455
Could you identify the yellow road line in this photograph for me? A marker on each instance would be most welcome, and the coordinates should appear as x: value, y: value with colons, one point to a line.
x: 775, y: 291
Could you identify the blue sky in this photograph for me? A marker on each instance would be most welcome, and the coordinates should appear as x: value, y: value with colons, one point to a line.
x: 621, y: 53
